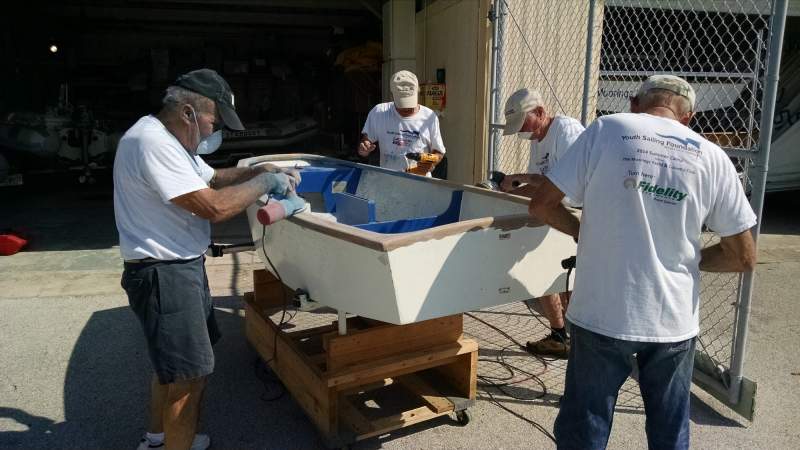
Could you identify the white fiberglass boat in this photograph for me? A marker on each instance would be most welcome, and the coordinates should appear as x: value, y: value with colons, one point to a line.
x: 403, y: 248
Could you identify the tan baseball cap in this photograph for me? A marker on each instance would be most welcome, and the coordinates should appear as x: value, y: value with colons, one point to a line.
x: 669, y: 83
x: 517, y: 106
x: 405, y: 89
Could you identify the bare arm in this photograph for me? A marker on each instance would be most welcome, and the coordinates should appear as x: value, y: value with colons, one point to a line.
x: 735, y: 253
x: 546, y: 206
x: 235, y: 175
x: 218, y: 205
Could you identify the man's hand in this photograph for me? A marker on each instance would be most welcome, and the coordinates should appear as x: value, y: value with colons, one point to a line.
x: 513, y: 182
x: 291, y: 172
x: 526, y: 190
x: 365, y: 147
x: 275, y: 183
x: 294, y: 177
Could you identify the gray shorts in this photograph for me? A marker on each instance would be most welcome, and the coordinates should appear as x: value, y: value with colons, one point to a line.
x: 173, y: 304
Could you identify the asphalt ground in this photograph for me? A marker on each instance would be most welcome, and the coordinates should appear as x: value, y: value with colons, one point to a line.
x: 74, y: 375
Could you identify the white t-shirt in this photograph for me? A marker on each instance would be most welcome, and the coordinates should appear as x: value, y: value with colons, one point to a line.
x: 150, y: 169
x: 397, y: 135
x: 647, y: 184
x: 562, y: 133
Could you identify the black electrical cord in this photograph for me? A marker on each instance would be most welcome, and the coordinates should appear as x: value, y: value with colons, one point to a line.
x: 262, y: 372
x: 500, y: 383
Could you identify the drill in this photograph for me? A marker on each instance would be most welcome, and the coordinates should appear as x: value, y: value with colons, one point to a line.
x: 425, y: 162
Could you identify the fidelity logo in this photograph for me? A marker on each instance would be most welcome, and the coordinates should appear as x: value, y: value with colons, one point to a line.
x: 661, y: 192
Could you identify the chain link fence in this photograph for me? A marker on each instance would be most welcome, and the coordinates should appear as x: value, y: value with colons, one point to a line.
x: 541, y: 45
x: 588, y: 57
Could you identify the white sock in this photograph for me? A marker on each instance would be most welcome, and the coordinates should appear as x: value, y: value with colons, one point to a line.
x: 155, y: 438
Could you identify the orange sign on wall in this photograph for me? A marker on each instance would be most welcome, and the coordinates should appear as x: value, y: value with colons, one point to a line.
x: 433, y: 95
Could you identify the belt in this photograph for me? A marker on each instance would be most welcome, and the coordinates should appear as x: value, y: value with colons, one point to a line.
x: 143, y: 260
x: 152, y: 260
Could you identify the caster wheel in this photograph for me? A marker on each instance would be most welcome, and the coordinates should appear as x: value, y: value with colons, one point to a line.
x: 462, y: 417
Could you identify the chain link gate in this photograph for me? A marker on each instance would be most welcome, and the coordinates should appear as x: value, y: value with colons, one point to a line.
x: 729, y: 50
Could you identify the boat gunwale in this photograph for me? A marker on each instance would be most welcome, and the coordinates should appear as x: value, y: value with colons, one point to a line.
x: 388, y: 242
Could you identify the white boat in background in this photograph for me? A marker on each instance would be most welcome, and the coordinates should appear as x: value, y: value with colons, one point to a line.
x: 402, y: 248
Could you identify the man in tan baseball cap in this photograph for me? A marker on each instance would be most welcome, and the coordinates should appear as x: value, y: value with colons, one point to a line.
x: 666, y: 91
x: 403, y: 127
x: 650, y: 186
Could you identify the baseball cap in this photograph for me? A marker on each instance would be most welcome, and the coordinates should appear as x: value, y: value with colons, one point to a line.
x: 404, y: 96
x: 517, y: 106
x: 209, y: 83
x: 669, y: 83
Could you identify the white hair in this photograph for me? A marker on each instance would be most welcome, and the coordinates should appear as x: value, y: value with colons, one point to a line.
x: 666, y: 98
x: 176, y: 96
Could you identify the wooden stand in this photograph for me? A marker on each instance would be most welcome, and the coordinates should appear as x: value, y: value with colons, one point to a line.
x: 377, y: 378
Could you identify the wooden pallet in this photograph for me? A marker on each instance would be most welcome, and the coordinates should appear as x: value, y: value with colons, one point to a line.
x: 375, y: 379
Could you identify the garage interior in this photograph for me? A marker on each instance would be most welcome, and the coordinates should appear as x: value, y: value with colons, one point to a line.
x: 305, y: 73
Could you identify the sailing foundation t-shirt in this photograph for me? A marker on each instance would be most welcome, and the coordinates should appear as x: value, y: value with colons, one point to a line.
x: 544, y: 154
x: 397, y: 135
x: 648, y: 184
x: 150, y: 169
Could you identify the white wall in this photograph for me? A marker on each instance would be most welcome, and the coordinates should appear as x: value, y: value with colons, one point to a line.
x: 451, y: 34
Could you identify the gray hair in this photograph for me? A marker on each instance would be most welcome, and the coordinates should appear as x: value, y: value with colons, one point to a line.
x: 666, y: 98
x: 176, y: 96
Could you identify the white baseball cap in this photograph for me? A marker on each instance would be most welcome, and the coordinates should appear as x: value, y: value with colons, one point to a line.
x: 670, y: 83
x: 517, y: 106
x: 405, y: 89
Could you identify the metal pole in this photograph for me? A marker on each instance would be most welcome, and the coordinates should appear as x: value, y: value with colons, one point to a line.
x: 759, y: 169
x: 587, y: 66
x: 494, y: 94
x: 754, y: 90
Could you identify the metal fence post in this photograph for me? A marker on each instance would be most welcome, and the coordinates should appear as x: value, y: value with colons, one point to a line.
x: 587, y: 69
x: 495, y: 16
x: 759, y: 182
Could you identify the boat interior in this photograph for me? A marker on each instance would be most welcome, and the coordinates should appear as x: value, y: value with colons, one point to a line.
x: 348, y: 195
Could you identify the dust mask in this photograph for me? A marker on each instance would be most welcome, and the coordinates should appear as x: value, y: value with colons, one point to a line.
x: 208, y: 144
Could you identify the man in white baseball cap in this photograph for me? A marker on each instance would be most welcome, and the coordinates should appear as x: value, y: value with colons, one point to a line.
x: 649, y: 186
x: 550, y: 136
x: 401, y: 127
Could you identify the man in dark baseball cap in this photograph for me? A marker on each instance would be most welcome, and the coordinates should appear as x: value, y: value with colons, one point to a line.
x: 209, y: 83
x: 165, y: 198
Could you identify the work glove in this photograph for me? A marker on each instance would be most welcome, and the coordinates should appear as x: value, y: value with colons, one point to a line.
x: 294, y: 177
x: 275, y: 183
x: 294, y: 174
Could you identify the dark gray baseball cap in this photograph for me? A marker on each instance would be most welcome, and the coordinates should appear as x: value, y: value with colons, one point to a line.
x: 209, y: 83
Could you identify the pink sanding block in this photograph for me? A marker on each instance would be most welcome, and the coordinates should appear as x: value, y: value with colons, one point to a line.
x: 270, y: 213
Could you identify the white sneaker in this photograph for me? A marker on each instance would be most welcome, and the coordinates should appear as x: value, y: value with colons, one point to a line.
x: 200, y: 442
x: 145, y: 444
